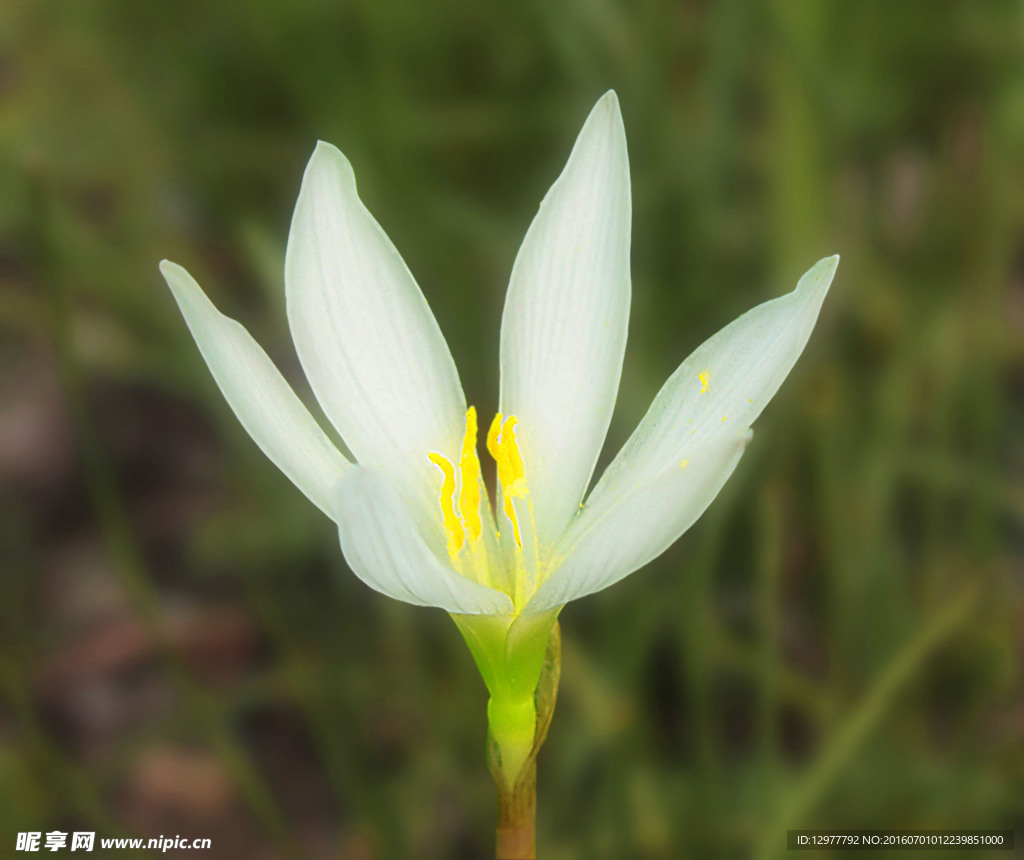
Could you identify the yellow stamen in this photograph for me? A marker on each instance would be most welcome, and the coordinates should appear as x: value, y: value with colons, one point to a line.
x: 502, y: 445
x: 510, y: 512
x: 511, y: 469
x: 452, y: 524
x: 703, y: 377
x: 469, y: 466
x: 492, y: 436
x: 683, y: 464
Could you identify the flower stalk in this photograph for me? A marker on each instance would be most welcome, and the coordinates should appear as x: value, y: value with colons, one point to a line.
x: 516, y: 779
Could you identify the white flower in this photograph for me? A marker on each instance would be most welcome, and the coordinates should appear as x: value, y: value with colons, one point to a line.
x: 413, y: 513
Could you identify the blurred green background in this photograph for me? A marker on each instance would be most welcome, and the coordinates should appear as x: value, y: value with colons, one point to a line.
x: 837, y: 643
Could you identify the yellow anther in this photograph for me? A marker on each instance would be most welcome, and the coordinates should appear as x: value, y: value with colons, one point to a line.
x: 492, y: 437
x: 502, y: 446
x: 511, y: 469
x: 469, y: 466
x: 452, y: 524
x: 703, y: 377
x: 683, y: 464
x: 724, y: 417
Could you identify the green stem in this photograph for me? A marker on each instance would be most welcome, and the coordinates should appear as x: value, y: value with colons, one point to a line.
x: 517, y: 815
x: 517, y: 731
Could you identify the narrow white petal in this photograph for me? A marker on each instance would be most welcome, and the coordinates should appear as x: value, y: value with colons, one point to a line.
x: 724, y: 385
x: 639, y: 524
x: 368, y: 342
x: 259, y: 395
x: 563, y: 332
x: 381, y: 544
x: 647, y: 497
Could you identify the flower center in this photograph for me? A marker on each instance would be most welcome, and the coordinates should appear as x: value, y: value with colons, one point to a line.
x: 474, y: 542
x: 460, y: 491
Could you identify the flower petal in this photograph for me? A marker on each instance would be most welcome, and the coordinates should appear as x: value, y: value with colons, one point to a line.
x: 259, y: 395
x: 381, y: 544
x: 637, y: 524
x: 647, y: 497
x: 365, y: 335
x: 724, y: 385
x: 563, y: 332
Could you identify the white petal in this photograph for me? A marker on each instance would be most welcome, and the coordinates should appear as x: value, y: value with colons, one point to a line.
x: 563, y: 332
x: 366, y: 338
x: 637, y: 524
x: 381, y: 544
x: 259, y: 395
x: 646, y: 498
x: 724, y: 385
